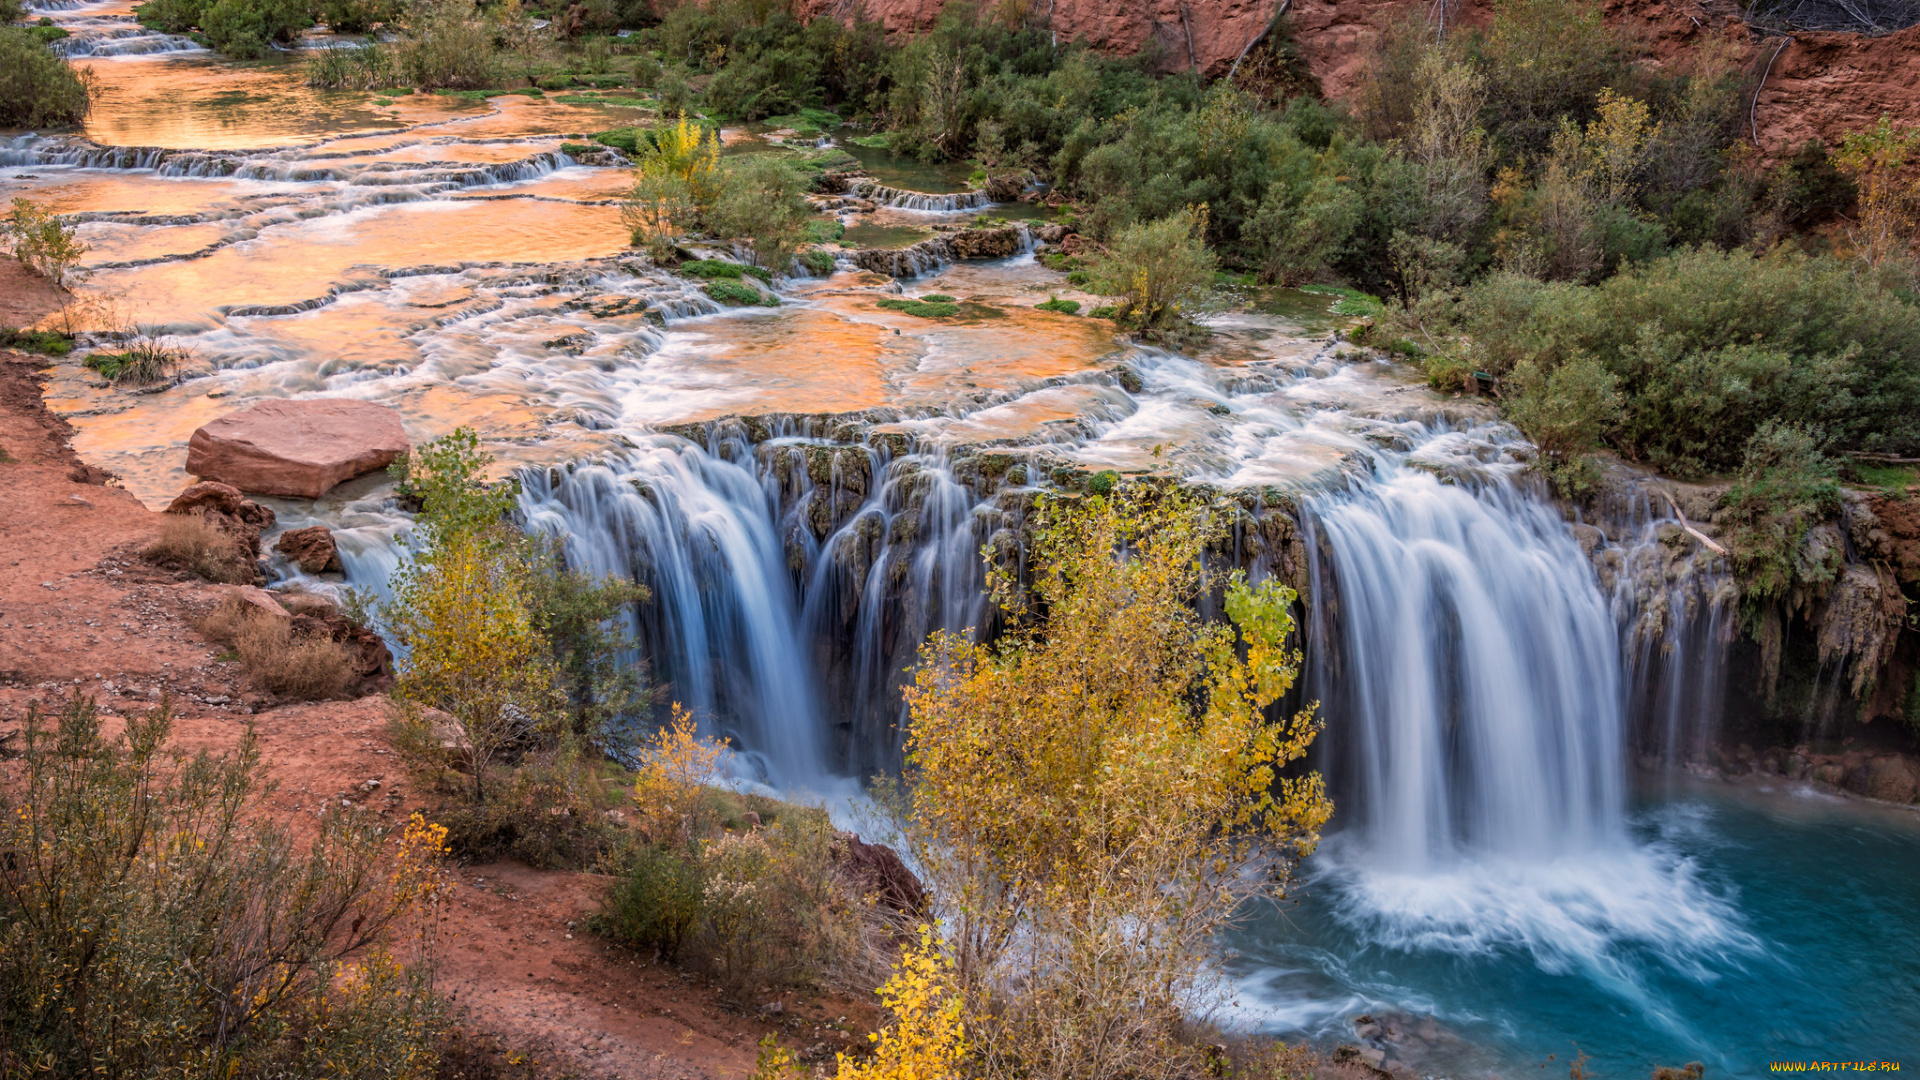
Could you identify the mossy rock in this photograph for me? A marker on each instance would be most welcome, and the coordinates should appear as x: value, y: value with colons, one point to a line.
x: 739, y: 294
x: 920, y: 308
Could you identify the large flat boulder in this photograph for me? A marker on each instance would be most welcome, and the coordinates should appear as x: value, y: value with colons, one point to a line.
x: 298, y: 448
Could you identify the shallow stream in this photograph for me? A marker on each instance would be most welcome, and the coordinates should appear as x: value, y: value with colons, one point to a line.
x: 1497, y: 887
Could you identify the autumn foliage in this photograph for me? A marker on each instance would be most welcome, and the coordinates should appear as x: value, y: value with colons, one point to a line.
x: 1096, y: 794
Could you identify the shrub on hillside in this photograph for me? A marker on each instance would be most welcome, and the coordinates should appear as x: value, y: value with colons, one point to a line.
x: 39, y: 88
x: 1786, y: 486
x: 1708, y: 346
x: 1158, y: 271
x: 741, y: 885
x: 762, y: 200
x: 42, y: 242
x: 154, y: 917
x: 248, y: 29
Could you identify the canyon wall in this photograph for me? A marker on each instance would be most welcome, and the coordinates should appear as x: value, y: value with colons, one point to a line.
x: 1811, y: 85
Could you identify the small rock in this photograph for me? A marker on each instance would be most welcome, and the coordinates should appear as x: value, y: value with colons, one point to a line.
x: 312, y: 549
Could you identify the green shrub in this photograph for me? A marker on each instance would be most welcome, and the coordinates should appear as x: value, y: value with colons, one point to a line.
x: 712, y: 269
x: 762, y: 200
x: 356, y: 16
x: 42, y: 242
x: 1565, y: 414
x: 46, y: 342
x: 737, y: 294
x: 1064, y: 307
x: 818, y: 263
x: 654, y: 902
x: 625, y: 140
x: 1159, y: 270
x: 1786, y: 487
x: 153, y: 915
x: 1707, y: 347
x: 919, y: 308
x: 39, y: 89
x: 147, y: 357
x: 171, y: 16
x: 250, y: 28
x: 937, y: 298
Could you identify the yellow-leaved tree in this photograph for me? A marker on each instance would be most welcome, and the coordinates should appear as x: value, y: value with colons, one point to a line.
x: 1098, y: 793
x: 928, y: 1037
x: 675, y: 179
x: 460, y: 608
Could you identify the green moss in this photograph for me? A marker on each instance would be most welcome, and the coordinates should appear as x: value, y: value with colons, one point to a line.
x: 920, y: 308
x: 712, y: 269
x: 1105, y: 311
x: 875, y: 141
x: 938, y: 298
x: 1352, y: 302
x: 44, y: 342
x: 824, y: 232
x: 625, y: 140
x: 1079, y: 277
x: 806, y: 118
x: 601, y: 99
x: 737, y: 294
x: 1064, y: 307
x: 1891, y: 479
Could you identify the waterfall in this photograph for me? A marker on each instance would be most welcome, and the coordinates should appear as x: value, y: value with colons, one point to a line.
x: 924, y: 202
x: 1470, y: 670
x: 792, y: 582
x: 695, y: 529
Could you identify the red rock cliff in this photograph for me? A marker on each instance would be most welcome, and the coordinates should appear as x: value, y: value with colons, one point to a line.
x: 1815, y: 85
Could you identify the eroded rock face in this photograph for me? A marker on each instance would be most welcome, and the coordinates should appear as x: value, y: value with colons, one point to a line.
x: 297, y: 448
x: 1890, y: 779
x: 1000, y: 243
x: 876, y: 869
x: 311, y: 549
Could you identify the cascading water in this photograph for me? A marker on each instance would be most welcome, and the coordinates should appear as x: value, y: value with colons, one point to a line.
x: 1470, y: 670
x: 695, y: 528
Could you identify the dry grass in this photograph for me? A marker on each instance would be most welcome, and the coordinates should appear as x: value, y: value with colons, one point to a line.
x: 291, y: 665
x: 277, y: 659
x: 193, y: 543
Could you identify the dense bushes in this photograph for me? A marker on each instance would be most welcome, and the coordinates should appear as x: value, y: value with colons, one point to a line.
x: 38, y: 88
x: 1705, y: 347
x: 155, y: 922
x: 742, y: 886
x: 239, y: 28
x: 511, y: 687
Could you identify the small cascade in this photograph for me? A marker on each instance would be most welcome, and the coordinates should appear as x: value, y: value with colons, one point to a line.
x: 280, y: 166
x: 123, y: 40
x: 1677, y: 610
x: 924, y: 202
x: 937, y: 252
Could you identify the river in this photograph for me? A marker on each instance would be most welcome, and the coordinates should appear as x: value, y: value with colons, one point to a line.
x: 1497, y: 886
